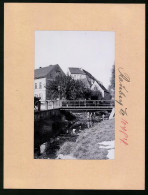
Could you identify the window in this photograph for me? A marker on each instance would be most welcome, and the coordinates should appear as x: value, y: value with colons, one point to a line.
x: 35, y: 85
x: 41, y: 96
x: 40, y: 85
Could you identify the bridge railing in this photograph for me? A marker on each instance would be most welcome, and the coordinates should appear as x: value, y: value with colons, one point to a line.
x: 86, y: 103
x: 53, y: 104
x: 48, y: 105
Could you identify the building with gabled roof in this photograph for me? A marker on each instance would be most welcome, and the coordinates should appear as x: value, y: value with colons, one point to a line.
x: 42, y: 76
x: 90, y: 81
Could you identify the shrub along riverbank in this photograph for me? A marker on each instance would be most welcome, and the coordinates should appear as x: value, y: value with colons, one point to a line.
x: 88, y: 144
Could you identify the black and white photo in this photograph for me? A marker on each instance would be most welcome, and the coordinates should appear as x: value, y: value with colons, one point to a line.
x: 74, y: 95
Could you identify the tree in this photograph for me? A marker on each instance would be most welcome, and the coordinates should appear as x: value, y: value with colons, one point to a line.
x: 112, y: 82
x: 96, y: 95
x: 65, y: 87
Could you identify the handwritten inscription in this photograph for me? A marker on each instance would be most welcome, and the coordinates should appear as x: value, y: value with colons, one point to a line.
x: 123, y: 80
x: 123, y: 131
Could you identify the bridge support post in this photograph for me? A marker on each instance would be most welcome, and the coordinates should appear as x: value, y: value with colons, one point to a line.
x: 46, y: 105
x: 39, y: 106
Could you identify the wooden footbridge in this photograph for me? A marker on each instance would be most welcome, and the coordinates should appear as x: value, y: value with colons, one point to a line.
x: 81, y: 105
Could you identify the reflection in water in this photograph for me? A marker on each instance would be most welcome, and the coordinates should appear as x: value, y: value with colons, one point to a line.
x: 45, y: 131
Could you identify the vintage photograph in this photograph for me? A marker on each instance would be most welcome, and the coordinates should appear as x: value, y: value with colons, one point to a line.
x: 74, y: 95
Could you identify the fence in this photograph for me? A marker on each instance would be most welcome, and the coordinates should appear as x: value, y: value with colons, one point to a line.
x: 54, y: 104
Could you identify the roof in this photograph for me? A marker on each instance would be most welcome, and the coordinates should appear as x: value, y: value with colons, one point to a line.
x: 84, y: 72
x: 76, y: 71
x: 88, y: 74
x: 42, y: 72
x: 92, y: 77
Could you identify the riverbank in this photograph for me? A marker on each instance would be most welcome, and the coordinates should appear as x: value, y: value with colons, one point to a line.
x: 68, y: 135
x: 96, y: 142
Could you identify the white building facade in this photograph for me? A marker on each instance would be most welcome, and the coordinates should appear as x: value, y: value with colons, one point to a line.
x: 40, y: 88
x: 89, y: 81
x: 42, y: 77
x: 76, y: 73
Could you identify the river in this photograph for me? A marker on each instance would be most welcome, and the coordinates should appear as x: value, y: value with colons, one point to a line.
x: 51, y: 133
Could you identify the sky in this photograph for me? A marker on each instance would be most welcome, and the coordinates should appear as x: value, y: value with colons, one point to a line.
x: 93, y: 51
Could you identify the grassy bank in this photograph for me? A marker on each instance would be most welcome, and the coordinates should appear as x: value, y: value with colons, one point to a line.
x: 87, y: 145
